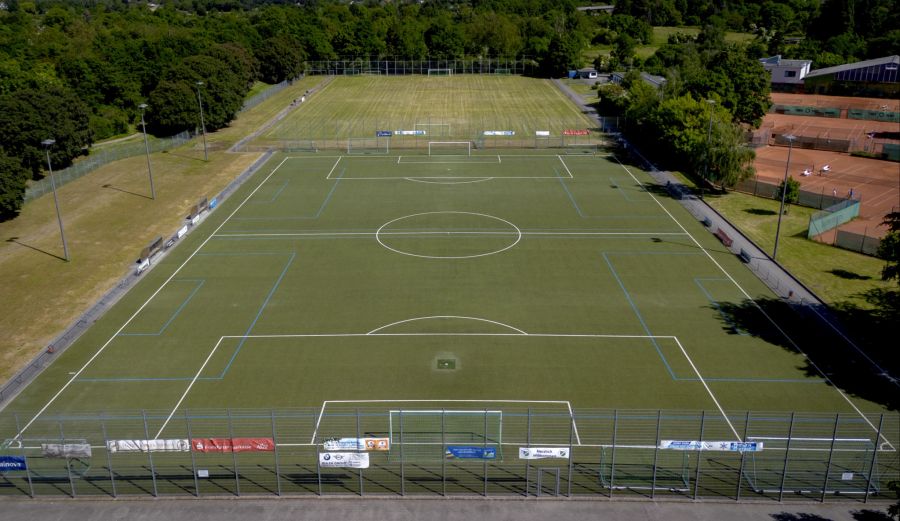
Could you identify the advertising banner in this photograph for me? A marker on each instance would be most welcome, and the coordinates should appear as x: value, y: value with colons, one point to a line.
x: 66, y: 450
x: 499, y: 132
x: 213, y: 203
x: 183, y: 230
x: 383, y: 133
x: 465, y: 452
x: 542, y: 133
x: 233, y: 444
x: 576, y: 132
x: 543, y: 452
x: 722, y: 446
x: 379, y: 444
x: 409, y: 132
x: 114, y: 446
x: 353, y: 460
x: 12, y: 463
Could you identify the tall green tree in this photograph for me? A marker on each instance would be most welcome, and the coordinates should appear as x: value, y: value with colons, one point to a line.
x: 889, y: 249
x: 280, y: 58
x: 13, y: 178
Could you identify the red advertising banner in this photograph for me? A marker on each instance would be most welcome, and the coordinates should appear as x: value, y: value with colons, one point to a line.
x: 233, y: 444
x: 576, y: 132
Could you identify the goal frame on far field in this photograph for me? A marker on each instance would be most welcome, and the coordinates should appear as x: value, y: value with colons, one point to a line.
x: 440, y: 72
x: 368, y: 145
x: 458, y: 144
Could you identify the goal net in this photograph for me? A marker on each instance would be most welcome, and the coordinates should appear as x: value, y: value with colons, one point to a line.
x: 440, y: 72
x: 426, y: 434
x: 504, y: 72
x: 449, y: 148
x: 368, y: 145
x: 582, y: 149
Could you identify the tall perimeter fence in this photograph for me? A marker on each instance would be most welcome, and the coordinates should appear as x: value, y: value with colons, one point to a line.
x: 492, y: 450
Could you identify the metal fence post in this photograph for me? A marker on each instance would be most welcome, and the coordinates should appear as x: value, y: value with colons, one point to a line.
x: 874, y: 460
x: 655, y: 454
x: 527, y: 444
x: 361, y: 493
x: 699, y: 454
x: 443, y: 451
x: 237, y: 480
x: 740, y: 479
x: 24, y: 456
x: 571, y: 436
x: 318, y: 467
x: 62, y: 442
x: 275, y: 446
x: 187, y: 422
x: 612, y: 465
x: 402, y: 467
x: 483, y: 450
x: 837, y: 418
x: 787, y: 452
x: 149, y: 453
x: 112, y: 478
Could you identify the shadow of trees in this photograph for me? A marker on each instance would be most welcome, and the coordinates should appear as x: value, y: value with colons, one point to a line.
x: 866, y: 371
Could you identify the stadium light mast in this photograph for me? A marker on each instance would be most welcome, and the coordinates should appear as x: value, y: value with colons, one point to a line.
x: 47, y: 144
x: 143, y: 106
x: 708, y: 143
x: 202, y: 124
x: 787, y: 166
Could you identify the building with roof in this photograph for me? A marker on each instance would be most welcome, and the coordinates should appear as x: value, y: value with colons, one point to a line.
x: 869, y: 78
x: 786, y: 75
x: 650, y: 79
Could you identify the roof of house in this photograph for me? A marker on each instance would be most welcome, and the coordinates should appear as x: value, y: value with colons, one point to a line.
x: 656, y: 81
x: 778, y: 61
x: 856, y: 65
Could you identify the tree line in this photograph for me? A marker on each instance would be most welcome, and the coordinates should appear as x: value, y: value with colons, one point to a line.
x: 77, y: 71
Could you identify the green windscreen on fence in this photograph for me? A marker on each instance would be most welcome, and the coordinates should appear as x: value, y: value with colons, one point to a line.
x: 802, y: 110
x: 891, y: 151
x: 832, y: 217
x: 876, y: 115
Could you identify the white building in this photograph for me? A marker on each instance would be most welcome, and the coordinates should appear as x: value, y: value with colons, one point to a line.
x: 790, y: 72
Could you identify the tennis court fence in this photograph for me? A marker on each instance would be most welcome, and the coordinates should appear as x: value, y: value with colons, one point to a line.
x: 501, y: 450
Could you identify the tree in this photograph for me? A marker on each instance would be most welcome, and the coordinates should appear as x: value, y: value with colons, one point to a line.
x: 889, y: 250
x: 12, y: 186
x: 280, y: 58
x: 792, y: 194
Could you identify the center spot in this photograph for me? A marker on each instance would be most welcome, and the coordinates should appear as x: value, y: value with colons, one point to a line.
x: 448, y: 235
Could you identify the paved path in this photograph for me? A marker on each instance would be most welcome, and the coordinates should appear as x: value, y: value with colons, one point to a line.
x: 427, y: 510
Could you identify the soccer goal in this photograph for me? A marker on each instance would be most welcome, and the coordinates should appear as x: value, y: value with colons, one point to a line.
x: 368, y: 145
x: 574, y: 149
x: 440, y: 72
x: 449, y: 148
x: 503, y: 72
x: 427, y: 434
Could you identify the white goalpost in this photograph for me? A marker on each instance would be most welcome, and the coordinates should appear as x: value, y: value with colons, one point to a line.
x: 449, y: 148
x: 440, y: 72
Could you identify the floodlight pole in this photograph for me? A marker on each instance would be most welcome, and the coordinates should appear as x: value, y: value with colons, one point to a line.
x: 47, y: 144
x: 143, y: 106
x: 708, y: 144
x: 787, y: 166
x: 202, y: 124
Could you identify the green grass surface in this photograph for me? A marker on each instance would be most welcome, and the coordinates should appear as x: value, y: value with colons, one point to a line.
x: 660, y: 37
x: 348, y: 278
x: 257, y: 87
x: 457, y: 107
x: 834, y: 274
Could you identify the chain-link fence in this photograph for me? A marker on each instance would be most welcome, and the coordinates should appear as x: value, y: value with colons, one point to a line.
x: 438, y: 67
x: 497, y: 449
x: 100, y: 157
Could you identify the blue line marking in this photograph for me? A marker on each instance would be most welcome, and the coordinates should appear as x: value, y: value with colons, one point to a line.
x: 299, y: 217
x: 272, y: 200
x: 623, y: 192
x: 639, y: 317
x: 177, y: 311
x: 715, y: 303
x: 571, y: 198
x: 258, y: 314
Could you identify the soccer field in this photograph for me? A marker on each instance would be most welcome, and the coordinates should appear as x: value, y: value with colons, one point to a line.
x: 484, y: 299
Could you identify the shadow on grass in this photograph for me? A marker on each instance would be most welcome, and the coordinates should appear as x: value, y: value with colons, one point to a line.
x: 800, y: 516
x: 111, y: 187
x: 850, y: 275
x: 15, y: 240
x: 866, y: 369
x: 870, y: 515
x: 760, y: 211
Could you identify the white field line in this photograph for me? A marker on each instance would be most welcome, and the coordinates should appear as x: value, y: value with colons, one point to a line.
x: 374, y: 331
x: 318, y: 421
x: 566, y: 167
x: 537, y: 335
x: 711, y: 395
x: 333, y: 167
x: 357, y: 234
x: 498, y: 159
x: 141, y: 308
x: 186, y: 391
x: 574, y: 425
x: 761, y: 310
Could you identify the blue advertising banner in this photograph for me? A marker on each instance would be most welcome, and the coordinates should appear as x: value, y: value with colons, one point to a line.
x: 12, y: 463
x: 471, y: 452
x: 383, y: 133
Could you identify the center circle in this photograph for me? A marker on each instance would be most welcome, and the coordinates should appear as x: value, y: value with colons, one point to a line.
x: 426, y: 235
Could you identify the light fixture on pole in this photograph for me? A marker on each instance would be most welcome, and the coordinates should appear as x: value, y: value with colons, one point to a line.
x: 708, y: 144
x: 202, y: 124
x: 47, y: 144
x: 143, y: 106
x: 787, y: 166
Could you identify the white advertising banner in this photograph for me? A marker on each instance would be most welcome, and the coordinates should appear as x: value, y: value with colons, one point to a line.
x: 499, y: 132
x: 182, y: 231
x: 114, y: 446
x: 543, y: 133
x: 380, y: 444
x: 543, y: 452
x: 353, y: 460
x: 721, y: 446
